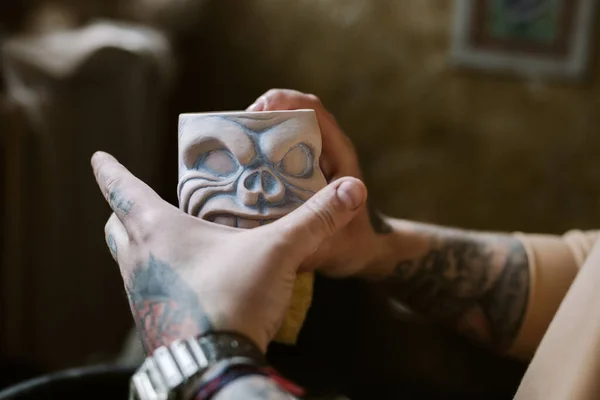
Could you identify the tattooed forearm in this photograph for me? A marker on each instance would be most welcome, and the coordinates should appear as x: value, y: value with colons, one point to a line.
x: 164, y: 307
x: 253, y: 388
x: 119, y: 203
x: 477, y: 284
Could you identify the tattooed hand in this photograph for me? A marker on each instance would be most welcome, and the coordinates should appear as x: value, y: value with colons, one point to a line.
x: 475, y: 282
x: 358, y: 248
x: 185, y: 276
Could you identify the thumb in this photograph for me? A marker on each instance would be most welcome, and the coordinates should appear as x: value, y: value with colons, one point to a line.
x: 324, y: 214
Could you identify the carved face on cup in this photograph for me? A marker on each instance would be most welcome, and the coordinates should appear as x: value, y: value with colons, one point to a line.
x: 249, y: 168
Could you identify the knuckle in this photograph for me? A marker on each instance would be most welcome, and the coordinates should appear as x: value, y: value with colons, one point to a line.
x: 286, y: 98
x: 306, y: 100
x: 273, y: 92
x: 111, y: 184
x: 147, y: 223
x: 276, y: 98
x: 313, y: 99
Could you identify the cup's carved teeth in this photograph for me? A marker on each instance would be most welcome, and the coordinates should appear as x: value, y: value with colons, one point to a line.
x: 222, y: 219
x: 228, y: 220
x: 245, y: 223
x: 237, y: 222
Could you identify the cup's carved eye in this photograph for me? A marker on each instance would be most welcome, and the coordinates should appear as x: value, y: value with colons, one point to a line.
x: 298, y: 162
x: 219, y: 162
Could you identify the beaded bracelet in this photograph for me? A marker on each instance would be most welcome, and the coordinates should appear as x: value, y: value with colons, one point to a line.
x: 227, y: 371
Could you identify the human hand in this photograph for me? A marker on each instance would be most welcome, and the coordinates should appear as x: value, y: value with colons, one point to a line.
x: 359, y: 247
x: 185, y: 276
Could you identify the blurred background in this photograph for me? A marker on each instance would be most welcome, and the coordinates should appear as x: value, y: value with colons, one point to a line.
x: 481, y: 114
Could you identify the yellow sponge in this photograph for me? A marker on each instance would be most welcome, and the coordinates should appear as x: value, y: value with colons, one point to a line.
x: 296, y: 314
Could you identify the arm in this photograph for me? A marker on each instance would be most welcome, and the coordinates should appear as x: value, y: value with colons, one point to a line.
x: 475, y: 283
x: 502, y: 290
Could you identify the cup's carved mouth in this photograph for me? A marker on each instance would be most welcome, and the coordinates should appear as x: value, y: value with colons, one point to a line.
x: 235, y: 221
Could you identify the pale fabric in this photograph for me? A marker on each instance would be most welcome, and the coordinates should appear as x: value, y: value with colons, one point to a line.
x: 566, y: 365
x: 554, y: 261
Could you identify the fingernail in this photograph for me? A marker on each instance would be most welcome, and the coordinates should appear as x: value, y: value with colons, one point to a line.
x: 351, y: 194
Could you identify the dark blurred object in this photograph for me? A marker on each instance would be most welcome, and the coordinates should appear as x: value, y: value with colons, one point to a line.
x: 3, y: 189
x: 353, y: 343
x: 13, y: 372
x: 97, y: 382
x: 72, y: 92
x: 13, y: 14
x: 171, y: 16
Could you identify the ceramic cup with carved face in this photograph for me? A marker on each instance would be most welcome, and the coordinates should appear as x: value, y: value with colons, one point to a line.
x: 246, y: 169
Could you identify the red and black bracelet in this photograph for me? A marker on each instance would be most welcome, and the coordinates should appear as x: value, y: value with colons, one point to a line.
x: 227, y: 371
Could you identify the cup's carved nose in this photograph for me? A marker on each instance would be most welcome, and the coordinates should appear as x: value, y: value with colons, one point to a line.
x: 260, y: 183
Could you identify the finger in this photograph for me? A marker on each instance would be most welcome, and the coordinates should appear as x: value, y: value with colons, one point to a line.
x: 126, y: 194
x: 284, y: 99
x: 336, y: 145
x: 116, y: 236
x: 258, y: 105
x: 324, y: 214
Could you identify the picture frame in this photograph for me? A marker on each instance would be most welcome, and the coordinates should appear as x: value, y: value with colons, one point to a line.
x: 532, y: 38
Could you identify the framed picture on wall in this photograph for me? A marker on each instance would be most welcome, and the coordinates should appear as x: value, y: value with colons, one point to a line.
x: 535, y: 38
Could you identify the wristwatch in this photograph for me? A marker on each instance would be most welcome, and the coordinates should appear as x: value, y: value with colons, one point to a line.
x: 175, y: 372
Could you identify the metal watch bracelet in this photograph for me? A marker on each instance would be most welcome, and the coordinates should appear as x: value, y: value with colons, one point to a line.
x: 174, y: 372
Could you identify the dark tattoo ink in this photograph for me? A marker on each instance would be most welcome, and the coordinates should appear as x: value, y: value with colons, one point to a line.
x: 378, y: 223
x: 253, y: 388
x: 164, y: 307
x: 457, y: 283
x: 506, y: 301
x: 118, y: 202
x: 112, y: 245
